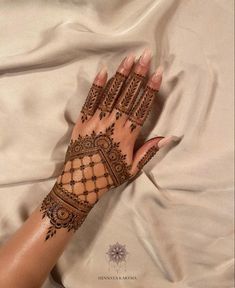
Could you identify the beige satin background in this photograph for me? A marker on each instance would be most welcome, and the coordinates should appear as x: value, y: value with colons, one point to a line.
x: 176, y: 219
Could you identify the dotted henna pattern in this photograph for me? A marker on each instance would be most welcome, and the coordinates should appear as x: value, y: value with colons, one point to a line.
x: 111, y: 93
x: 93, y: 164
x: 128, y: 97
x: 91, y: 102
x: 142, y: 108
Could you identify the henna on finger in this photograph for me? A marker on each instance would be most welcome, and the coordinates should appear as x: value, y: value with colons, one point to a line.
x: 114, y: 86
x: 92, y: 101
x: 111, y: 93
x: 133, y: 85
x: 147, y: 157
x: 142, y: 108
x: 128, y: 97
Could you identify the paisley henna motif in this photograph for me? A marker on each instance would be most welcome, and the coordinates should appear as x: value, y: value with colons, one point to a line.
x: 93, y: 164
x: 128, y: 97
x: 92, y: 100
x: 142, y: 108
x: 111, y: 93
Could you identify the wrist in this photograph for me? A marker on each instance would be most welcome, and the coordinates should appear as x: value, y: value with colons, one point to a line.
x: 64, y: 209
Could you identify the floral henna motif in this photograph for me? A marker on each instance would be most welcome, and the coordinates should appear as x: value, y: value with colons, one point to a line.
x: 142, y: 108
x: 64, y: 209
x: 147, y: 157
x: 93, y: 164
x: 92, y: 100
x: 111, y: 93
x: 131, y: 90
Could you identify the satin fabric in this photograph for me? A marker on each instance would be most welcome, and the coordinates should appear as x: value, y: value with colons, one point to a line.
x: 176, y: 219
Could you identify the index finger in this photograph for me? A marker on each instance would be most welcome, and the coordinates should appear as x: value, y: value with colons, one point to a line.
x: 94, y: 95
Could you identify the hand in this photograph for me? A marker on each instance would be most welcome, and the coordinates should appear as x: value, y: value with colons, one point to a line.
x: 101, y: 154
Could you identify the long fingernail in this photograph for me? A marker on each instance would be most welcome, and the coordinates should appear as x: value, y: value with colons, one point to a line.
x: 145, y: 57
x: 102, y: 73
x: 157, y: 75
x: 129, y: 61
x: 164, y: 141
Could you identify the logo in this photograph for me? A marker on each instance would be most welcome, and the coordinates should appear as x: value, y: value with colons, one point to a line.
x: 116, y: 256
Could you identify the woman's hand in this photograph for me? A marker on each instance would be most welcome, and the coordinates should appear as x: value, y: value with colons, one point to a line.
x: 101, y: 154
x: 100, y: 157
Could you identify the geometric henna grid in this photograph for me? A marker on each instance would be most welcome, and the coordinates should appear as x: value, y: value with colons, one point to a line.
x: 93, y: 164
x: 91, y: 102
x: 142, y: 108
x: 111, y: 156
x: 111, y: 93
x: 84, y: 179
x: 128, y: 97
x: 64, y: 209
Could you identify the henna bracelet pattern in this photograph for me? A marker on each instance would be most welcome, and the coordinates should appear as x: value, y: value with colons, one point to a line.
x: 64, y: 209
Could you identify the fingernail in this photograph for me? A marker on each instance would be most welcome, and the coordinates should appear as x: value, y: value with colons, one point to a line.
x: 157, y: 75
x: 145, y: 57
x: 128, y: 61
x: 102, y: 73
x: 164, y: 141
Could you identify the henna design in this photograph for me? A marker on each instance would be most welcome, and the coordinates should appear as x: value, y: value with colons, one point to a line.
x: 142, y: 108
x: 147, y: 157
x: 131, y: 90
x: 111, y: 93
x: 64, y: 209
x: 106, y: 89
x: 91, y: 102
x: 103, y: 145
x: 93, y: 164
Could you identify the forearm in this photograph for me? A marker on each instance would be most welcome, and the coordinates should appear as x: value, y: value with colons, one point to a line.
x: 26, y: 259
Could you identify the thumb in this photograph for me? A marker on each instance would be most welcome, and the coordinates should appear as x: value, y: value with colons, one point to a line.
x: 146, y: 152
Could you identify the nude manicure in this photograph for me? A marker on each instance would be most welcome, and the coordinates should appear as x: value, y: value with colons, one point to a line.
x: 128, y: 62
x: 102, y: 73
x: 165, y: 141
x: 145, y: 57
x: 157, y: 75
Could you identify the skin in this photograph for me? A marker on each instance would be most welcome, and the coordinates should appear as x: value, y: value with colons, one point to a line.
x: 26, y: 259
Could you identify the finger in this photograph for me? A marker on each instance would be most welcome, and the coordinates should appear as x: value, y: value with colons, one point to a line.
x: 94, y: 95
x: 147, y: 152
x: 132, y: 87
x: 142, y: 108
x: 115, y: 85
